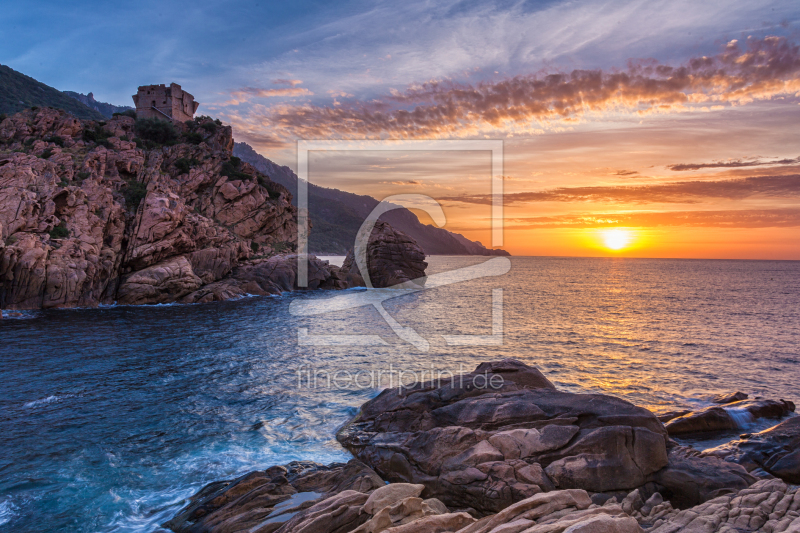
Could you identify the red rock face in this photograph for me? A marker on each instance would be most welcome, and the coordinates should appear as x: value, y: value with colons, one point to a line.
x: 393, y: 258
x: 89, y: 218
x: 69, y: 237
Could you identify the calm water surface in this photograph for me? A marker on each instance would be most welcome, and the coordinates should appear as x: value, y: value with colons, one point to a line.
x: 110, y: 418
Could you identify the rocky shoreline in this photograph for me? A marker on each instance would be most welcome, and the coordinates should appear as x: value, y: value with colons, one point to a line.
x: 137, y: 212
x: 519, y: 456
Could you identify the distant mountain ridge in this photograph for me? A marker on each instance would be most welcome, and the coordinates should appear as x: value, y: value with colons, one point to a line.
x: 19, y: 92
x: 107, y: 110
x: 337, y: 215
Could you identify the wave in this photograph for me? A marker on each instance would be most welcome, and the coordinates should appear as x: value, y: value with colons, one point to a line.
x: 7, y: 511
x: 741, y: 417
x: 18, y: 315
x: 44, y: 401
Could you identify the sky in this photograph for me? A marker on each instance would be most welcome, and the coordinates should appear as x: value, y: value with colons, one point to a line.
x: 642, y: 128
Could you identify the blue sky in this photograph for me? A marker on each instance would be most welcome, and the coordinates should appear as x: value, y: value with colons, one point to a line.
x: 353, y: 47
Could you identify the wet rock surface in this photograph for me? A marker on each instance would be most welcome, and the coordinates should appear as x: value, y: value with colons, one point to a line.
x: 502, y: 434
x: 775, y: 451
x: 265, y: 500
x: 730, y: 397
x: 727, y: 417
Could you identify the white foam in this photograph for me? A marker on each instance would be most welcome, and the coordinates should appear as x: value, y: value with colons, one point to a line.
x: 336, y: 260
x: 17, y: 315
x: 43, y: 401
x: 6, y: 511
x: 741, y: 417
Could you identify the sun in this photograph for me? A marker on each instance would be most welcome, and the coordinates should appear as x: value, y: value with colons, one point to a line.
x: 616, y: 239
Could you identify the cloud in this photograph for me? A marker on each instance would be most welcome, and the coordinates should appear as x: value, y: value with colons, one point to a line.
x: 731, y: 164
x: 625, y: 173
x: 291, y: 83
x: 745, y: 218
x: 246, y: 93
x: 687, y: 192
x: 759, y: 70
x: 408, y: 182
x: 263, y: 142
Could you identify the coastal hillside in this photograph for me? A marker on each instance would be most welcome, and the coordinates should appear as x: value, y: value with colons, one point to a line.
x: 19, y: 92
x: 337, y: 215
x: 136, y: 212
x: 107, y: 110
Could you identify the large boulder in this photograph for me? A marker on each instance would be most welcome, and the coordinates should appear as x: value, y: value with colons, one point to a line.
x: 393, y: 259
x: 775, y: 450
x: 502, y: 434
x: 731, y: 416
x: 690, y: 479
x: 161, y: 283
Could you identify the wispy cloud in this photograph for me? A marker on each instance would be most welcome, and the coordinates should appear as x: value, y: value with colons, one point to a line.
x: 744, y: 218
x: 757, y: 70
x: 407, y: 182
x: 246, y: 93
x: 290, y: 83
x: 686, y: 192
x: 732, y: 164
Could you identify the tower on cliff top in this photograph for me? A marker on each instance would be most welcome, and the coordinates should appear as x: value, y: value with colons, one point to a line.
x: 160, y: 101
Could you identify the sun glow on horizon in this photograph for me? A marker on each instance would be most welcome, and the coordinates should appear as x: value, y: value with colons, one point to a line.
x: 617, y: 239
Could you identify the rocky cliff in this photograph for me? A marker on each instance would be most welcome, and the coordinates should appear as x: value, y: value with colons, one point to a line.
x: 339, y: 214
x: 137, y: 212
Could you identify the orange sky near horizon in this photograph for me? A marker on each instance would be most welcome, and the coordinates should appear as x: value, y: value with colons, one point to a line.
x: 698, y: 159
x: 565, y: 189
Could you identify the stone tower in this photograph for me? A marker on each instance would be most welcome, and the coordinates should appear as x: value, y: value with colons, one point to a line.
x: 160, y: 101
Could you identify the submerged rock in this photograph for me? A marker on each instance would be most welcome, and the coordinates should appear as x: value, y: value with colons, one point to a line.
x: 775, y: 450
x: 504, y: 433
x: 723, y: 399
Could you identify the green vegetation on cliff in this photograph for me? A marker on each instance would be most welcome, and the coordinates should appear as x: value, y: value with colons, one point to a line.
x: 19, y: 92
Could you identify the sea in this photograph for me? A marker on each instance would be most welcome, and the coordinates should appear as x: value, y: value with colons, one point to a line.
x: 111, y: 418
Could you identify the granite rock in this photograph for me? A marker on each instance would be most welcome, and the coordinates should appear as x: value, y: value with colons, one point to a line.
x: 502, y: 434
